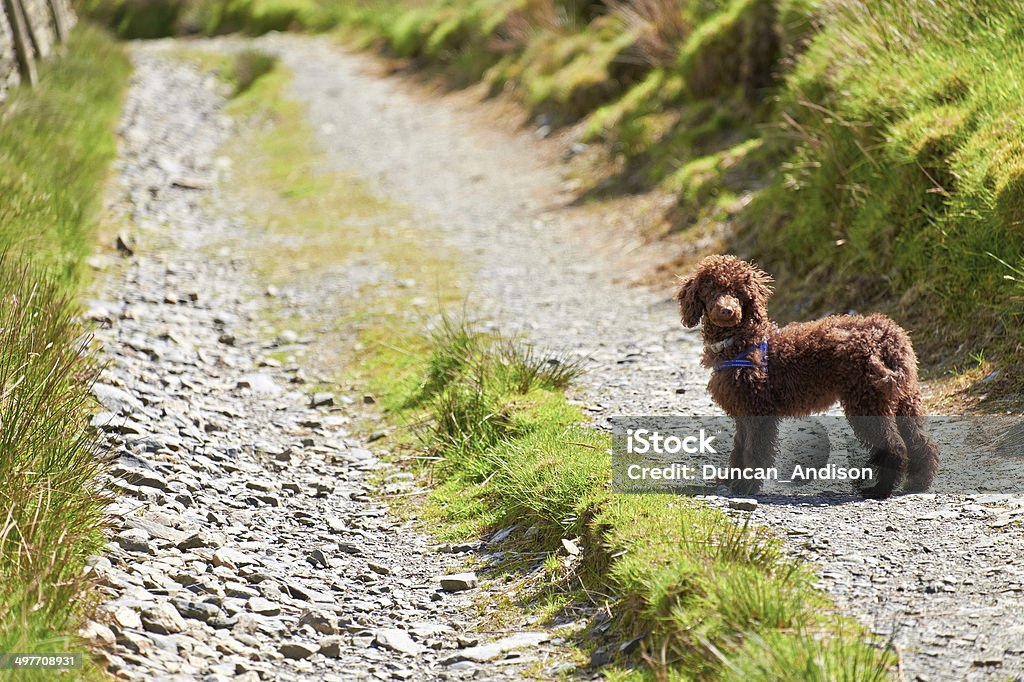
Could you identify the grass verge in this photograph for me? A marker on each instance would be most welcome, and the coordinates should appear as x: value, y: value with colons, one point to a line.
x: 56, y: 142
x: 161, y: 18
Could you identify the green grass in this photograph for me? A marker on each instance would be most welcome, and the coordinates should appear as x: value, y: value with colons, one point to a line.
x: 247, y: 67
x: 55, y: 145
x: 51, y: 505
x: 712, y: 600
x: 56, y: 142
x: 162, y: 18
x: 908, y: 183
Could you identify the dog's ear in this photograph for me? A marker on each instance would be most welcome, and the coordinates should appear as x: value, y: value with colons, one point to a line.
x: 691, y: 308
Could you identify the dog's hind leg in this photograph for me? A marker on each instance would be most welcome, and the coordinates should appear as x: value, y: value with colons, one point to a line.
x: 922, y: 453
x: 888, y: 452
x: 764, y: 437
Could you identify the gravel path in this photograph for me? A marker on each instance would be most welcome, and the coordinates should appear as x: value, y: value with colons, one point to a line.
x: 245, y: 544
x: 929, y: 571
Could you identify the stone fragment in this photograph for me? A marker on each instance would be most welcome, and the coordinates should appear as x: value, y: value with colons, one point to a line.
x: 97, y: 634
x: 493, y: 650
x: 394, y: 639
x: 457, y: 582
x: 116, y: 400
x: 296, y: 650
x: 163, y: 619
x: 264, y: 607
x: 378, y: 568
x: 321, y: 400
x: 332, y: 647
x: 134, y: 540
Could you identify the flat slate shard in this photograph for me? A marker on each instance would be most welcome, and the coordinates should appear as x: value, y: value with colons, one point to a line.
x: 458, y: 582
x: 116, y: 400
x: 397, y: 640
x: 492, y: 650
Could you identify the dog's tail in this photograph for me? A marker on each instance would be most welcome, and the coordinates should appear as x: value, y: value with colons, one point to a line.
x: 922, y: 453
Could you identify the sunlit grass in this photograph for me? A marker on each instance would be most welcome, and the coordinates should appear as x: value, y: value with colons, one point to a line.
x: 56, y: 141
x: 55, y: 145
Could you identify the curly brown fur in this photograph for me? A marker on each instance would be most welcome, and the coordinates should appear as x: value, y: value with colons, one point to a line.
x: 865, y: 363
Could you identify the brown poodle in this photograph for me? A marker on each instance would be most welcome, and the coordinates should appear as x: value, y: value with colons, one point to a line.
x: 762, y: 373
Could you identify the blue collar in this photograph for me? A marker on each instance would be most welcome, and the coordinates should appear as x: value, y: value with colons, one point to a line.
x: 742, y: 360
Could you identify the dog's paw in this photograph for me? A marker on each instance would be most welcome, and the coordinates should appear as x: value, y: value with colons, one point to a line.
x: 745, y: 487
x: 918, y: 485
x: 876, y: 492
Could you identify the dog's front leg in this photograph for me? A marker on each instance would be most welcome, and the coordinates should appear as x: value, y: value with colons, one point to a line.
x: 757, y: 454
x: 764, y: 437
x: 740, y: 443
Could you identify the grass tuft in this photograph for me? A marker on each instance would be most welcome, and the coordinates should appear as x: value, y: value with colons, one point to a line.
x: 248, y: 67
x: 51, y: 507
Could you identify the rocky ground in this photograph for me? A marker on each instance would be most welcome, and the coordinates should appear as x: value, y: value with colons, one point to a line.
x: 246, y: 539
x: 245, y: 544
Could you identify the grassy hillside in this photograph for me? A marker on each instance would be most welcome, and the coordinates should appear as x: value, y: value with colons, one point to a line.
x: 904, y: 177
x: 868, y: 152
x: 56, y: 142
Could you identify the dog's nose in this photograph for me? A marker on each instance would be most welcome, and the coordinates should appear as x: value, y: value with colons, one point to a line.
x: 726, y: 311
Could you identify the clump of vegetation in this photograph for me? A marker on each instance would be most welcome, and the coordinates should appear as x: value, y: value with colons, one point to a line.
x: 710, y: 599
x: 56, y: 141
x: 248, y: 66
x: 161, y: 18
x: 50, y: 501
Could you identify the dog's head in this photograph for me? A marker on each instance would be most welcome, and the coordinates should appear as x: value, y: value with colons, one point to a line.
x: 726, y: 291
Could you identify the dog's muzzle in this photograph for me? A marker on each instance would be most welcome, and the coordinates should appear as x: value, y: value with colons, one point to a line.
x: 725, y: 311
